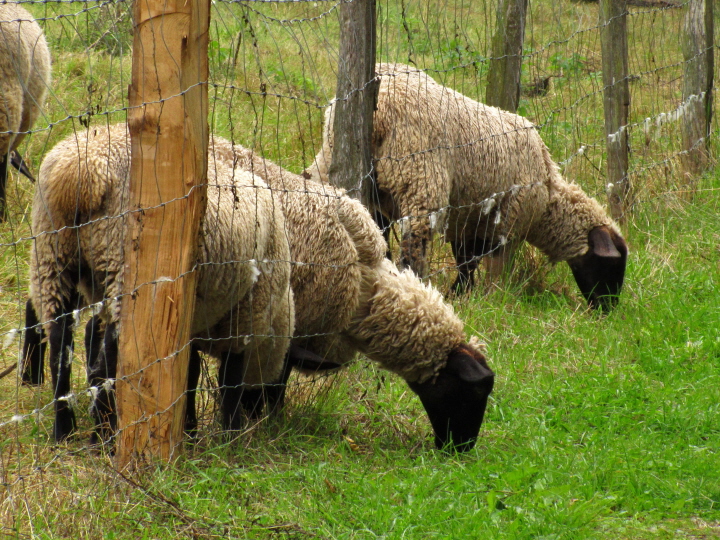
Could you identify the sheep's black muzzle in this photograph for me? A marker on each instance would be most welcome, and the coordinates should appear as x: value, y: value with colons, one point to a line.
x: 456, y: 400
x: 601, y: 271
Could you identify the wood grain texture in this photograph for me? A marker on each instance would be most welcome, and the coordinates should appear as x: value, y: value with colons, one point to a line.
x: 356, y: 96
x: 616, y: 101
x: 503, y: 89
x: 169, y: 135
x: 697, y: 84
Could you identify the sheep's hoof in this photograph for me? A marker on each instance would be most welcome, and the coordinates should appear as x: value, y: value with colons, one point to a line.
x: 253, y: 403
x: 459, y: 289
x: 275, y: 398
x: 30, y: 380
x: 191, y: 428
x: 102, y: 443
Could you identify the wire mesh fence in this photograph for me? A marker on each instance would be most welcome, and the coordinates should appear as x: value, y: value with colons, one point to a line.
x: 273, y: 71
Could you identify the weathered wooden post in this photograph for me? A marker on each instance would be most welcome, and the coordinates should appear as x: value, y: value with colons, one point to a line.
x: 356, y: 98
x: 697, y: 84
x: 169, y: 134
x: 503, y: 89
x: 616, y: 101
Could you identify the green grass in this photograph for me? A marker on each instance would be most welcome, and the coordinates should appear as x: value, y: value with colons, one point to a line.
x: 599, y: 427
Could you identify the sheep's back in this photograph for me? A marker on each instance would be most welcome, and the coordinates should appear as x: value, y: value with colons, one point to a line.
x: 79, y: 214
x: 332, y: 238
x: 78, y: 174
x: 465, y: 151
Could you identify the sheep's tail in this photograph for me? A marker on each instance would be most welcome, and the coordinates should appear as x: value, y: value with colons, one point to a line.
x: 77, y: 174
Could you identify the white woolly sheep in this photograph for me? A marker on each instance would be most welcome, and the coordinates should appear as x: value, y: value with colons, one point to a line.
x: 24, y: 81
x: 484, y: 178
x: 349, y: 298
x: 244, y: 307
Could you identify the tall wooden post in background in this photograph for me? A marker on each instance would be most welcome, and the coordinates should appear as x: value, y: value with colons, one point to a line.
x: 616, y: 101
x: 503, y: 89
x: 698, y: 50
x: 169, y: 133
x: 356, y: 98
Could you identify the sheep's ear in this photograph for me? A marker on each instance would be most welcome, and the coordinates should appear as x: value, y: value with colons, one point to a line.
x: 19, y: 163
x: 466, y: 367
x: 304, y: 359
x: 602, y: 243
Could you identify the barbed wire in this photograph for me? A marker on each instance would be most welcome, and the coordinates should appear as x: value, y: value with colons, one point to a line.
x: 272, y: 62
x: 99, y: 4
x: 266, y: 17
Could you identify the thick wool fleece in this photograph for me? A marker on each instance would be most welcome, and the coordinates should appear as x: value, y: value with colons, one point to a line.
x: 243, y: 296
x: 452, y: 165
x: 348, y: 297
x: 403, y: 324
x: 24, y: 74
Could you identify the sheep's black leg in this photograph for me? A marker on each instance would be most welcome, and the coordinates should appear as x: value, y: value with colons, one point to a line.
x: 194, y: 365
x: 93, y: 342
x: 376, y: 202
x: 3, y: 186
x: 60, y: 338
x: 101, y: 377
x: 240, y: 401
x: 230, y: 379
x: 33, y: 372
x: 295, y: 357
x: 385, y: 225
x: 466, y: 265
x: 275, y: 392
x: 252, y: 402
x: 94, y: 338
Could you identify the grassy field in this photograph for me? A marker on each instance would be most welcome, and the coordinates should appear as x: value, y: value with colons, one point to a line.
x: 599, y: 427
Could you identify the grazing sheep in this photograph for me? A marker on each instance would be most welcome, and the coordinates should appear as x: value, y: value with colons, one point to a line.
x: 24, y: 81
x: 484, y: 178
x: 244, y: 312
x: 349, y: 298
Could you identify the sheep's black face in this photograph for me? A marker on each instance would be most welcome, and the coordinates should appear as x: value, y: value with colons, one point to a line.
x: 456, y: 401
x: 600, y: 272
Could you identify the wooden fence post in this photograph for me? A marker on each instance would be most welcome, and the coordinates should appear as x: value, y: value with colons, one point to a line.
x: 503, y: 89
x: 616, y: 101
x: 697, y: 84
x: 169, y: 134
x: 356, y: 98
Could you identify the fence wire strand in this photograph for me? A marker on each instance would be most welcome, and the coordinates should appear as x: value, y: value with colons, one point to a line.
x: 273, y: 70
